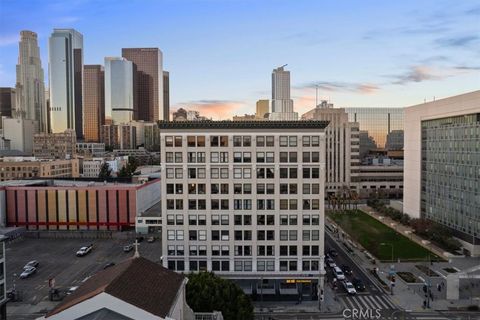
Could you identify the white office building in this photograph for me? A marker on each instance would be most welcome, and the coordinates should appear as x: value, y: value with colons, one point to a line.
x: 246, y: 200
x: 442, y: 165
x: 65, y: 75
x: 342, y: 146
x: 282, y: 104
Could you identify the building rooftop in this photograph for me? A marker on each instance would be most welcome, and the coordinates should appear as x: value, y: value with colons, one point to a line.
x: 303, y: 124
x: 65, y: 183
x: 13, y: 153
x: 137, y: 281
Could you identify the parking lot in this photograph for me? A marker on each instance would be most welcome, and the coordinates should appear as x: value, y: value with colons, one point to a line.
x: 58, y: 261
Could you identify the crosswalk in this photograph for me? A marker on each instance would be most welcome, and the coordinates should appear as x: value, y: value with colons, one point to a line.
x: 367, y: 302
x: 430, y: 316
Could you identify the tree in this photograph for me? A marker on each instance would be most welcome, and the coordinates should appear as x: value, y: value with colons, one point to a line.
x: 129, y: 169
x: 206, y: 293
x: 105, y: 171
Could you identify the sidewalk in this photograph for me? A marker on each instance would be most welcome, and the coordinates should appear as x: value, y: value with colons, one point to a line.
x: 404, y: 230
x: 329, y: 305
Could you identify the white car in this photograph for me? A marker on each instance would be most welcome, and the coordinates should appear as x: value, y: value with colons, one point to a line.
x: 84, y: 251
x: 31, y: 264
x: 349, y: 287
x: 28, y: 272
x: 338, y: 273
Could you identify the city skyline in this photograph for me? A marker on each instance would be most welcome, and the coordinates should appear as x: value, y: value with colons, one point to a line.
x: 408, y: 46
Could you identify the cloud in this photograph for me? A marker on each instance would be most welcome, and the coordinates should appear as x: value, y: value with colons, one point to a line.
x: 334, y: 86
x: 416, y: 74
x: 6, y: 40
x: 422, y: 73
x: 456, y: 42
x: 216, y: 109
x: 475, y: 11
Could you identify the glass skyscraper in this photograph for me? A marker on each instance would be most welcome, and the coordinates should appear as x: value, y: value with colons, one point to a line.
x: 66, y: 80
x: 378, y: 122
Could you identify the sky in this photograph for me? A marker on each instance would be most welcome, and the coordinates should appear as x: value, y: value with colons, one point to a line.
x: 220, y: 53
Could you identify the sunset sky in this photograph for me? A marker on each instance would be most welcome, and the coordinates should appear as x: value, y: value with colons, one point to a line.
x: 220, y: 53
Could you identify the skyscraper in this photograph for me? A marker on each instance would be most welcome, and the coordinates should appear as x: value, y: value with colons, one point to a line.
x: 282, y: 105
x: 7, y: 102
x: 94, y: 102
x: 378, y: 122
x: 263, y: 107
x: 30, y: 86
x: 166, y: 95
x: 119, y: 90
x: 149, y: 86
x: 66, y: 80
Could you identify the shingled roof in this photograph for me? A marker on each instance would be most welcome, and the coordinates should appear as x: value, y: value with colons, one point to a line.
x: 137, y: 281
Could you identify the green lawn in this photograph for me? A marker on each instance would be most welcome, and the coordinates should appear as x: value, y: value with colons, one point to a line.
x: 370, y: 233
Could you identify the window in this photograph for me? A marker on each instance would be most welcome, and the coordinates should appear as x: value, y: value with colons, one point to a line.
x: 215, y: 173
x: 283, y: 157
x: 178, y: 157
x: 270, y: 158
x: 292, y: 157
x: 260, y: 157
x: 306, y: 157
x: 260, y: 141
x: 223, y: 157
x: 224, y: 141
x: 306, y: 141
x: 191, y: 141
x: 169, y: 157
x: 247, y: 188
x: 292, y: 141
x: 192, y: 173
x: 200, y: 141
x: 224, y: 173
x: 214, y: 157
x: 237, y: 141
x: 168, y: 141
x: 247, y: 141
x: 283, y: 141
x: 269, y: 141
x: 178, y: 141
x: 315, y: 156
x: 247, y: 157
x: 315, y: 141
x: 237, y: 173
x: 214, y: 141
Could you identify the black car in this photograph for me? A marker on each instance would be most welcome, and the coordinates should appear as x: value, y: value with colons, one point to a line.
x: 347, y: 270
x: 358, y: 284
x: 140, y: 239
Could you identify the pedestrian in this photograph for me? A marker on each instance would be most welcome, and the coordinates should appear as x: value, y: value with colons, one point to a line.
x: 439, y: 287
x: 424, y: 304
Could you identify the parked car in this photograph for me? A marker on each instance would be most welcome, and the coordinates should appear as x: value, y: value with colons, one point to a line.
x: 150, y: 239
x: 349, y: 287
x: 358, y: 284
x: 338, y: 273
x: 71, y: 290
x: 33, y: 263
x: 84, y: 250
x: 28, y: 272
x: 347, y: 270
x: 108, y: 265
x: 140, y: 238
x: 330, y: 263
x: 128, y: 248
